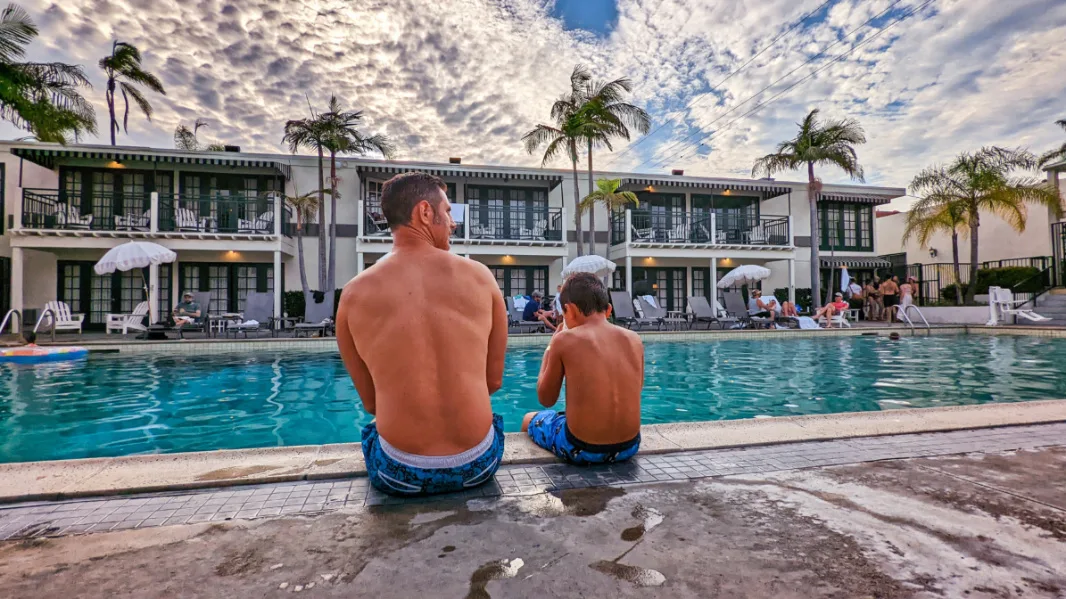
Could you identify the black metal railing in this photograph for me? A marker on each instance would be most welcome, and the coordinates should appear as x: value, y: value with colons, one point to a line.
x: 1039, y: 262
x: 375, y: 225
x: 98, y: 211
x: 654, y: 226
x: 510, y: 223
x: 218, y: 214
x: 1035, y: 286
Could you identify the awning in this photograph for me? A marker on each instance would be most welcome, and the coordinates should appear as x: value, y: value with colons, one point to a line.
x: 554, y: 179
x: 855, y: 262
x: 47, y: 157
x: 765, y: 187
x: 855, y: 198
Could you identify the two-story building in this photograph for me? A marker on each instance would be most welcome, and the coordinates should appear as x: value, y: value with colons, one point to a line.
x: 224, y: 214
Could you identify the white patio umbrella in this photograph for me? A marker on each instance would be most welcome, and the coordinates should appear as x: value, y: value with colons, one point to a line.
x: 139, y: 255
x: 743, y: 275
x: 597, y: 265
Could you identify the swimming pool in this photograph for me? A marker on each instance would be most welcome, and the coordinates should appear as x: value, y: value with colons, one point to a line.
x: 112, y: 405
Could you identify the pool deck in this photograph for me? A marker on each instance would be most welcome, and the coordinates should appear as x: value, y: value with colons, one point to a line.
x: 64, y: 479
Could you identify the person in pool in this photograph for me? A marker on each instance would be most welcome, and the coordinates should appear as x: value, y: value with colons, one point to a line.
x: 29, y: 339
x: 423, y: 366
x: 604, y: 370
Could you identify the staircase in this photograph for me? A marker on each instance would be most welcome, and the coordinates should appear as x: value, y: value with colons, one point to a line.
x: 1053, y: 305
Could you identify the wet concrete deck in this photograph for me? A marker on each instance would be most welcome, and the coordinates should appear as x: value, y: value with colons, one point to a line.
x: 978, y: 525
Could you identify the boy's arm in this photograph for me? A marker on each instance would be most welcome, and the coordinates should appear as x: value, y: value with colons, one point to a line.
x: 550, y: 381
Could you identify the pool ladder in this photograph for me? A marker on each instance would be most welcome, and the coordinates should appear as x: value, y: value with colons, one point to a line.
x: 905, y: 318
x: 7, y: 317
x: 54, y: 319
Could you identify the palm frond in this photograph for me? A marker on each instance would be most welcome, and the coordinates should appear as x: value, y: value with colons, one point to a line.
x: 16, y: 31
x: 138, y: 98
x: 772, y: 164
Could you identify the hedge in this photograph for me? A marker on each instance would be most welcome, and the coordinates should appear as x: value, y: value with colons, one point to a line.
x: 1008, y: 277
x: 803, y: 297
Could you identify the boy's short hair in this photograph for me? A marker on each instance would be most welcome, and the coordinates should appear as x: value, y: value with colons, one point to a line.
x: 585, y: 291
x: 30, y: 337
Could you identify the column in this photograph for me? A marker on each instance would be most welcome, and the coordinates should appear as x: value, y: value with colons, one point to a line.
x: 792, y: 280
x: 277, y: 280
x: 713, y: 282
x: 153, y: 287
x: 629, y: 274
x: 360, y: 262
x: 278, y: 207
x: 153, y: 223
x: 175, y: 280
x: 16, y: 285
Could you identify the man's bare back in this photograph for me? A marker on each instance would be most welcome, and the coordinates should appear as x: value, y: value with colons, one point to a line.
x: 604, y: 371
x: 423, y: 335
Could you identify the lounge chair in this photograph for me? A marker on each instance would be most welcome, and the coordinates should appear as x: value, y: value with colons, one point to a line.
x: 133, y: 221
x: 702, y: 312
x: 626, y: 315
x: 186, y: 220
x: 203, y: 324
x: 264, y: 223
x: 734, y: 306
x: 515, y: 322
x: 68, y: 217
x: 258, y: 315
x: 60, y: 318
x: 660, y: 314
x: 124, y: 323
x: 679, y: 234
x: 318, y: 317
x: 1001, y: 304
x: 537, y: 232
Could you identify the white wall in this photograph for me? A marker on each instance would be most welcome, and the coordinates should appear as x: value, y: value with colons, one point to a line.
x: 39, y: 279
x: 997, y: 239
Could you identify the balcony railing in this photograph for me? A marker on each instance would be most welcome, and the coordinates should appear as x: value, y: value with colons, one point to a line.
x: 49, y: 209
x: 503, y: 223
x: 703, y: 228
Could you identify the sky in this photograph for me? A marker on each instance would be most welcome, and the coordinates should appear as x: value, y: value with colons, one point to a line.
x: 723, y: 81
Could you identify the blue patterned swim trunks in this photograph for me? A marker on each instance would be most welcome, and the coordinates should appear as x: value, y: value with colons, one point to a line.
x: 548, y: 429
x: 397, y: 472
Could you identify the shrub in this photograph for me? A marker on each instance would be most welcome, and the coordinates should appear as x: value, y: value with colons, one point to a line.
x: 803, y: 297
x: 292, y: 303
x: 1021, y: 279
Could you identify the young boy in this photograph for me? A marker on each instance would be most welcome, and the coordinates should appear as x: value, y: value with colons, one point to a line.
x: 604, y: 370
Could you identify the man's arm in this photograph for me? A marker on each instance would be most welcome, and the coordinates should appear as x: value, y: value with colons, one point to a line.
x: 353, y: 362
x: 550, y: 381
x: 497, y: 340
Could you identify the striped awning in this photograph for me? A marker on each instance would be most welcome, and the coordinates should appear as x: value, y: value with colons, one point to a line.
x: 855, y: 198
x: 855, y: 262
x: 47, y: 158
x: 553, y: 179
x: 760, y: 186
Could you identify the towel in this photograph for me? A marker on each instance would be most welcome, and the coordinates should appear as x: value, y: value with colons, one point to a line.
x: 520, y: 302
x: 806, y: 322
x: 250, y: 323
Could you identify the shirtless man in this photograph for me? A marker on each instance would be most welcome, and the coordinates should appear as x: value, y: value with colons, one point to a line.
x: 604, y: 369
x: 424, y: 367
x: 889, y: 294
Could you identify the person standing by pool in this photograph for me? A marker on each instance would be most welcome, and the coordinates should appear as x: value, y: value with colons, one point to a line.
x: 889, y: 297
x: 873, y: 300
x: 187, y: 311
x: 423, y: 366
x: 603, y: 365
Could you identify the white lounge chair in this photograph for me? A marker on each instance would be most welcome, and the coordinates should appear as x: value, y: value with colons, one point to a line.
x: 264, y: 223
x: 124, y: 323
x: 1001, y: 304
x: 185, y: 220
x: 840, y: 319
x: 678, y: 233
x: 69, y: 217
x: 133, y: 222
x: 60, y: 318
x: 537, y: 232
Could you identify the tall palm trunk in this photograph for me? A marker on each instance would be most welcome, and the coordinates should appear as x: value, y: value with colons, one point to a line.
x: 300, y: 251
x: 331, y: 279
x: 816, y: 238
x: 975, y: 224
x: 111, y: 106
x: 592, y: 208
x: 958, y: 269
x: 321, y: 225
x: 577, y: 201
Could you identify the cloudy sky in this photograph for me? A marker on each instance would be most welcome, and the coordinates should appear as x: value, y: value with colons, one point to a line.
x: 469, y: 77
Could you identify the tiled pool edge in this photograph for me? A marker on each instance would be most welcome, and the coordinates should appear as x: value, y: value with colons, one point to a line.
x: 42, y: 481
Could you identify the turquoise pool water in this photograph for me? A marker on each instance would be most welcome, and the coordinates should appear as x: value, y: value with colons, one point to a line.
x: 113, y: 405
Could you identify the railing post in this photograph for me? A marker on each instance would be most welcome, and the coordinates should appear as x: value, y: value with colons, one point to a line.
x: 788, y: 232
x: 629, y: 233
x: 714, y: 230
x: 153, y: 217
x: 469, y: 217
x: 277, y: 214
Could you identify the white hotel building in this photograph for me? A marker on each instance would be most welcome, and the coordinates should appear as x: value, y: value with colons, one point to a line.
x: 64, y: 206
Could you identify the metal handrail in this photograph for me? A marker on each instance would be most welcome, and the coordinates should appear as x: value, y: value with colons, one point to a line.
x: 920, y: 315
x: 55, y: 319
x: 3, y: 325
x: 901, y: 312
x: 1045, y: 276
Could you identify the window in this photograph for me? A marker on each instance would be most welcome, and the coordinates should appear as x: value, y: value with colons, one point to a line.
x: 100, y: 299
x: 5, y: 285
x: 71, y: 287
x: 507, y: 213
x: 164, y: 304
x: 229, y: 284
x: 733, y: 215
x: 521, y: 280
x: 669, y: 285
x: 846, y: 226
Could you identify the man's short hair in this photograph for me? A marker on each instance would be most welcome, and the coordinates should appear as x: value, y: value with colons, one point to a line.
x: 536, y: 294
x: 585, y: 291
x: 402, y: 193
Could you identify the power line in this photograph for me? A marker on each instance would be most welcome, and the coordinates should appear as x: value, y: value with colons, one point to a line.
x: 719, y: 84
x: 820, y: 54
x: 794, y: 85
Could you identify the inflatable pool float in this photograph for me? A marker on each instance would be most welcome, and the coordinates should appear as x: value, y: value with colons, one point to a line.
x: 37, y: 355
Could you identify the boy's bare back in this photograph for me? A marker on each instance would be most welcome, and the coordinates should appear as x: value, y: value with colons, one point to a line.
x: 604, y: 369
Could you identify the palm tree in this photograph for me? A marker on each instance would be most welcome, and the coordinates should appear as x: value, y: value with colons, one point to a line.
x: 185, y: 138
x: 608, y: 195
x: 341, y: 135
x: 305, y: 206
x: 310, y: 133
x: 563, y: 136
x: 124, y: 73
x: 983, y: 181
x: 42, y: 98
x: 939, y: 213
x: 1056, y: 154
x: 604, y: 115
x: 817, y: 144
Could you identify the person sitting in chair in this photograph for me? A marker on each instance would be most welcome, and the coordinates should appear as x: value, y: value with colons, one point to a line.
x: 762, y: 308
x: 837, y: 306
x: 187, y: 311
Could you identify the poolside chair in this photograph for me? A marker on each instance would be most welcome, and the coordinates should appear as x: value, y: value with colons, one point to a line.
x: 379, y: 226
x: 258, y: 315
x: 318, y: 317
x: 840, y: 319
x: 702, y: 312
x: 734, y: 306
x: 124, y: 323
x: 1001, y: 304
x: 515, y: 322
x: 203, y: 325
x: 660, y: 314
x: 625, y: 314
x: 60, y: 318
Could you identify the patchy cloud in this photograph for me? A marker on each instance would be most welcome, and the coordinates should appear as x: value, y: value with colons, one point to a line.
x: 468, y: 78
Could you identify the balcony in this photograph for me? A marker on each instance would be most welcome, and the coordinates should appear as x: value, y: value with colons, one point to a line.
x: 660, y: 227
x: 50, y: 210
x: 533, y: 225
